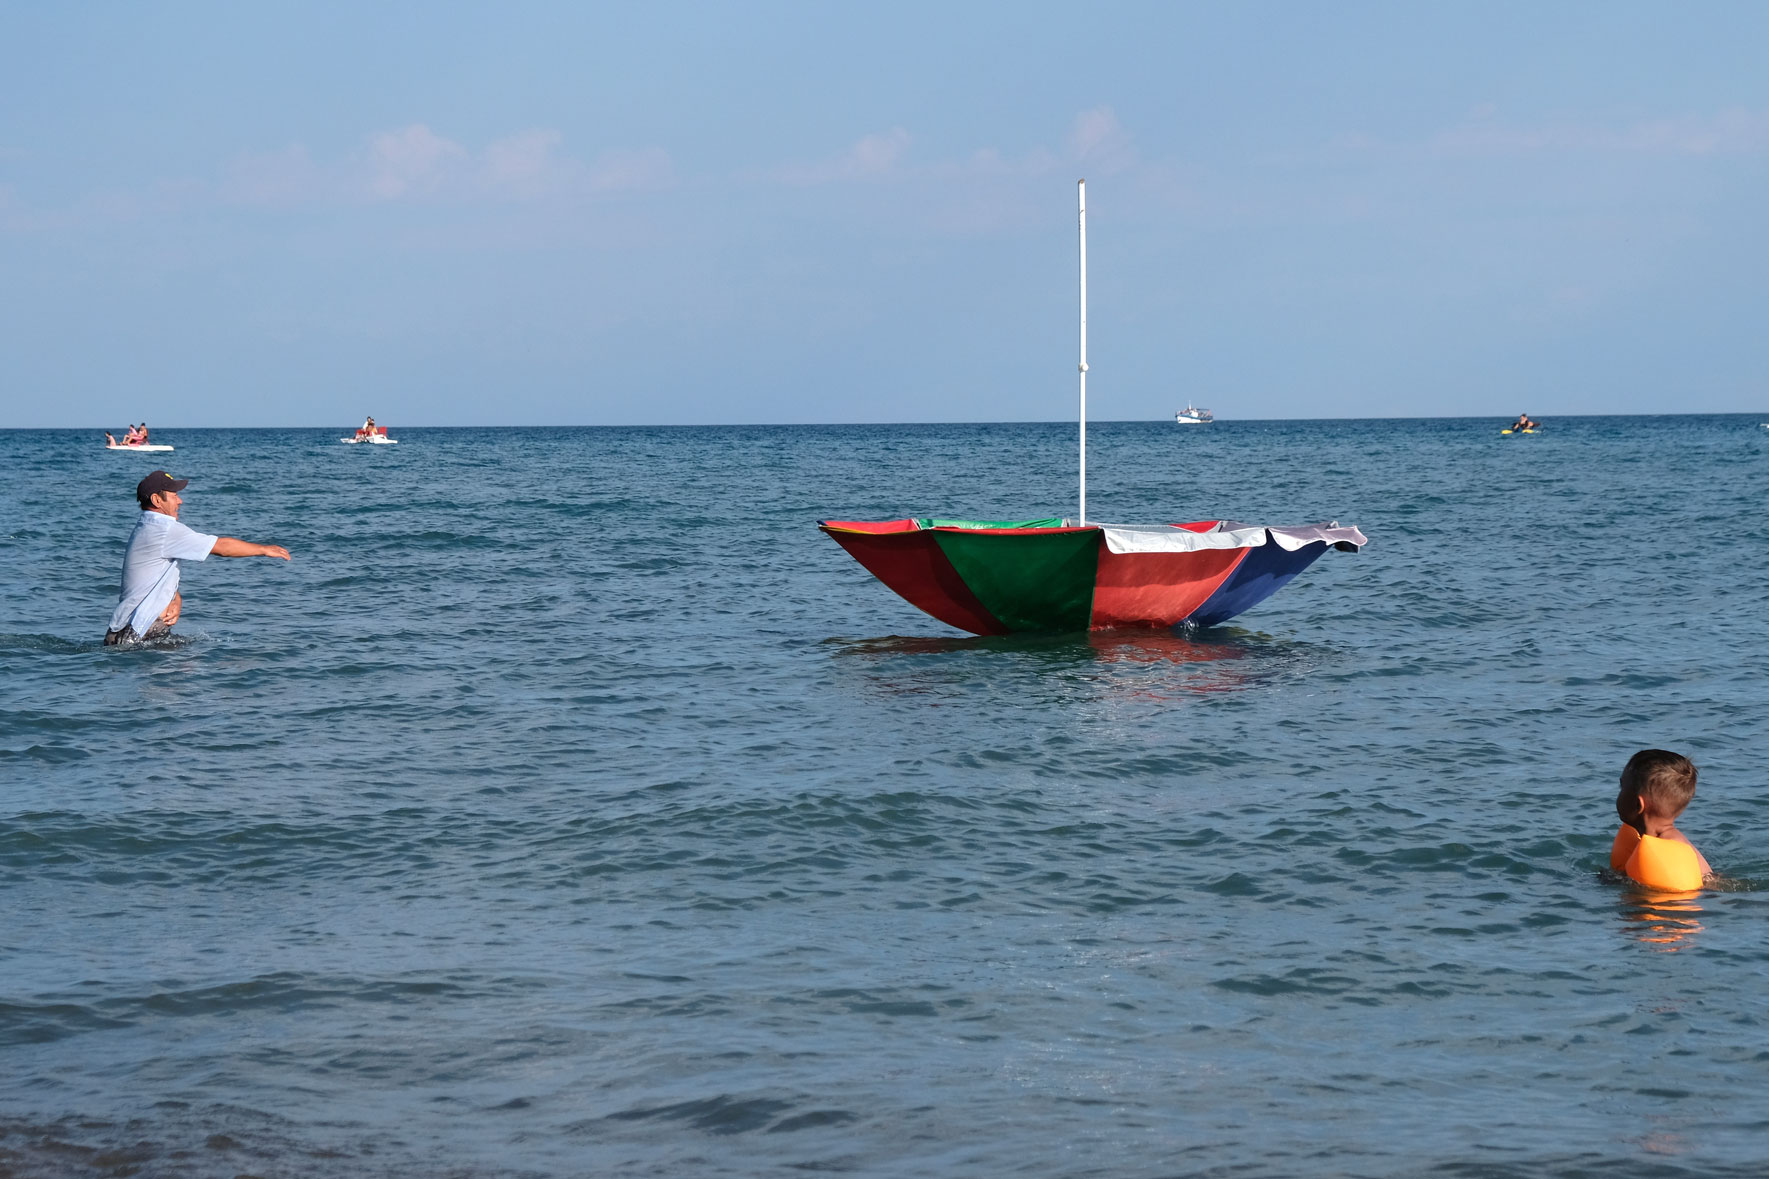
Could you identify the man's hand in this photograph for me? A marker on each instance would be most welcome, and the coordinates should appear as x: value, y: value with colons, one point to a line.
x: 169, y: 615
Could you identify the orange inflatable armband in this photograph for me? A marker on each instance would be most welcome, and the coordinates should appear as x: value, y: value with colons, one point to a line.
x: 1667, y: 864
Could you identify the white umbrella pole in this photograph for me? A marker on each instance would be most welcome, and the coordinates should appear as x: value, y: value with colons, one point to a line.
x: 1082, y: 190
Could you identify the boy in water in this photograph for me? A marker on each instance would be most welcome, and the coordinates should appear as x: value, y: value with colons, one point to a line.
x: 1656, y: 786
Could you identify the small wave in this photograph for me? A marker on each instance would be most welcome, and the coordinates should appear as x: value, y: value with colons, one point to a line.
x: 58, y: 1016
x: 49, y: 644
x: 48, y: 754
x: 726, y: 1114
x: 208, y: 1142
x: 46, y: 1022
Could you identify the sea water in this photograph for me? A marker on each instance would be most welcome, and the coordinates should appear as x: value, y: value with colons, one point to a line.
x: 571, y: 806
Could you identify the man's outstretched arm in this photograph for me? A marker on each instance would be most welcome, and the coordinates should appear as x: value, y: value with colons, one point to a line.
x: 229, y: 546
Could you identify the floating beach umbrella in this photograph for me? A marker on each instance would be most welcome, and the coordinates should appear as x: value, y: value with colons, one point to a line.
x: 994, y: 577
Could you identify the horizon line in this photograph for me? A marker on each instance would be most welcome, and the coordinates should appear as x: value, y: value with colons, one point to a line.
x: 948, y: 422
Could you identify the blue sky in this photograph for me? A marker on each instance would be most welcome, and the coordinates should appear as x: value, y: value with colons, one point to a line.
x: 537, y: 213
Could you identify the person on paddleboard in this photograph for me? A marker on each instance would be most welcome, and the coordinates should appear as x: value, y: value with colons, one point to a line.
x: 149, y: 602
x: 1523, y: 422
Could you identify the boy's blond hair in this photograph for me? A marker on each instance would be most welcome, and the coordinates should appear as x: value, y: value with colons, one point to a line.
x: 1665, y: 780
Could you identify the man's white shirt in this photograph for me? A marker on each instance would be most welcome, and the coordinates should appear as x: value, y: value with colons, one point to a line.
x: 150, y: 568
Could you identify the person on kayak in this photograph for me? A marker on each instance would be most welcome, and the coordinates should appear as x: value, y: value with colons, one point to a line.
x: 1524, y: 422
x: 149, y: 602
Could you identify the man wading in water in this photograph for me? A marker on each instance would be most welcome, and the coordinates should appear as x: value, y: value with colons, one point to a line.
x: 149, y: 602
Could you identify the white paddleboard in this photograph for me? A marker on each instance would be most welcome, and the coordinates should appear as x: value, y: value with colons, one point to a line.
x: 150, y: 446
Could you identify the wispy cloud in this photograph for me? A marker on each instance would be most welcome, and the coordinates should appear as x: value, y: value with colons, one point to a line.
x: 1095, y: 139
x: 1098, y: 141
x: 102, y: 206
x: 415, y: 163
x: 632, y: 171
x: 284, y: 177
x: 1736, y: 131
x: 870, y: 157
x: 418, y: 164
x: 414, y: 160
x: 982, y: 190
x: 990, y: 162
x: 526, y: 164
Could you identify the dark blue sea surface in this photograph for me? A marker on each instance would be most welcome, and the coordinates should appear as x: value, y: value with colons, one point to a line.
x: 571, y: 806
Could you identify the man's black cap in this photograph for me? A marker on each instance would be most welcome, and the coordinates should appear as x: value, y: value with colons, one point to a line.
x: 158, y: 481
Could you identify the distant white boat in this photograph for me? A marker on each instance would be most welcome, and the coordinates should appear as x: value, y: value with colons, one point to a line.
x: 153, y: 446
x: 1191, y: 415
